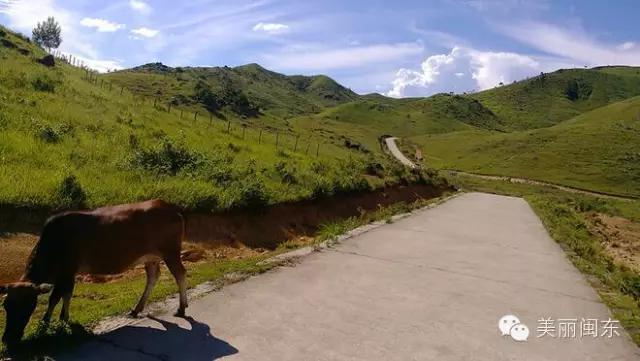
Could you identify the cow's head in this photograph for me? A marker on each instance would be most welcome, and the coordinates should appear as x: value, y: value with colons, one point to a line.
x: 19, y: 304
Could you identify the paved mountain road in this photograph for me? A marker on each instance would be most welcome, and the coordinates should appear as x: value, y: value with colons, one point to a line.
x: 395, y: 151
x: 431, y: 286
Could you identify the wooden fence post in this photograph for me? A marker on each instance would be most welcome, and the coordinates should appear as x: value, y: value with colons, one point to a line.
x: 121, y: 90
x: 318, y: 149
x: 308, y: 145
x: 277, y: 139
x: 181, y: 113
x: 295, y: 147
x: 260, y: 137
x: 195, y: 116
x: 228, y: 126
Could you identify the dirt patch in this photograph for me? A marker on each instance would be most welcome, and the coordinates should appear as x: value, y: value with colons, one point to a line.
x: 620, y: 237
x: 14, y: 251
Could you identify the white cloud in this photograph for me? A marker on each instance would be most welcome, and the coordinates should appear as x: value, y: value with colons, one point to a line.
x: 99, y: 65
x: 447, y: 72
x: 572, y: 44
x: 101, y: 25
x: 314, y: 59
x: 271, y: 28
x: 140, y: 6
x: 627, y: 45
x: 144, y: 32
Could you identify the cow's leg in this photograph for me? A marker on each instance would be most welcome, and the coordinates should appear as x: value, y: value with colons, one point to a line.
x: 62, y: 288
x: 153, y: 273
x: 66, y: 301
x: 180, y: 274
x: 56, y: 294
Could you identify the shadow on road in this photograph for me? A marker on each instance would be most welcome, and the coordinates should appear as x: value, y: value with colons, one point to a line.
x: 168, y: 342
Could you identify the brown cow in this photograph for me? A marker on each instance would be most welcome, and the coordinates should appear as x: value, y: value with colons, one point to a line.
x: 105, y: 241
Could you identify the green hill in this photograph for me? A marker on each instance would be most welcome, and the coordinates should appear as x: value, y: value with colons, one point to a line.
x: 548, y: 99
x: 248, y: 90
x: 597, y: 150
x: 366, y: 120
x: 66, y: 141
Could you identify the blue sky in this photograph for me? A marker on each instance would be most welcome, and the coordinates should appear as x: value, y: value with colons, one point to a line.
x: 399, y: 48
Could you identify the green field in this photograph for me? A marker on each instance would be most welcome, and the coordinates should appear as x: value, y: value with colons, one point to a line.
x: 67, y: 142
x: 597, y: 150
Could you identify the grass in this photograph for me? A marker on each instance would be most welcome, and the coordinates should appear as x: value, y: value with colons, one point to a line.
x: 55, y: 126
x: 224, y: 90
x: 549, y: 99
x: 596, y: 150
x: 566, y: 217
x: 93, y: 302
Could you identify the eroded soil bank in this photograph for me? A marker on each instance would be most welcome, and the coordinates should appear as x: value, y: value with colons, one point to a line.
x: 225, y: 235
x: 273, y: 225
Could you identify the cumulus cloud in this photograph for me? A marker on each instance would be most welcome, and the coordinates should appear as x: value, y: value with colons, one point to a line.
x: 271, y: 28
x: 144, y: 32
x: 319, y: 59
x: 463, y: 69
x: 139, y: 5
x: 101, y: 25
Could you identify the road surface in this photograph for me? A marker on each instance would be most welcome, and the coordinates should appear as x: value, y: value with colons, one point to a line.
x: 431, y: 286
x: 393, y: 148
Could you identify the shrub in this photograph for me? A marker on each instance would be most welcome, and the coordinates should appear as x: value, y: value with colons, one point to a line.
x: 167, y: 158
x: 286, y: 172
x: 44, y: 84
x: 374, y: 168
x: 251, y: 194
x: 321, y: 188
x: 70, y: 193
x: 49, y: 135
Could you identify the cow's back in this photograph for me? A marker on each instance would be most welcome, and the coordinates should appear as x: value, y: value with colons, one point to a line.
x: 110, y: 240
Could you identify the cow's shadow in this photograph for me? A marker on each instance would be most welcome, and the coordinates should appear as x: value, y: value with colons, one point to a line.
x: 171, y: 343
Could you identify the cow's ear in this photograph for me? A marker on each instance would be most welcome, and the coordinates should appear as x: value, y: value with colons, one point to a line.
x: 43, y: 288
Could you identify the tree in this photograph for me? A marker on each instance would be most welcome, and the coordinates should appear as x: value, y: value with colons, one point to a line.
x: 47, y: 34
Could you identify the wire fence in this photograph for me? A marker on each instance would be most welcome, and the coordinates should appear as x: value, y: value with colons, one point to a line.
x: 280, y: 139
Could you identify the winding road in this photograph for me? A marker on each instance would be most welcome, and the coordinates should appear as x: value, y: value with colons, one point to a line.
x: 431, y: 286
x: 395, y: 151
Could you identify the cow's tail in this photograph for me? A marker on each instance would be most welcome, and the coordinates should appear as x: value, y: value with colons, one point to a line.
x: 184, y: 226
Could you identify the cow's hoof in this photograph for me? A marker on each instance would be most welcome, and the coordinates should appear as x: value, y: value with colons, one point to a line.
x: 134, y: 314
x: 180, y: 313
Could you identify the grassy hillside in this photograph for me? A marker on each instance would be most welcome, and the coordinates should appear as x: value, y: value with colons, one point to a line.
x: 247, y: 90
x: 597, y: 150
x: 66, y: 142
x: 366, y: 120
x: 548, y: 99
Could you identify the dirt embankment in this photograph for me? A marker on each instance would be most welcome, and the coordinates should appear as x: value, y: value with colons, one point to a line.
x: 620, y: 238
x: 271, y: 226
x: 225, y: 235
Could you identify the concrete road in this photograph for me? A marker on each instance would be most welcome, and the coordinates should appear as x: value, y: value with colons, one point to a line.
x: 428, y: 287
x: 393, y: 148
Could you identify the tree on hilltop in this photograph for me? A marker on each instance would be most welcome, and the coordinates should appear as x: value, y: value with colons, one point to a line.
x: 47, y: 34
